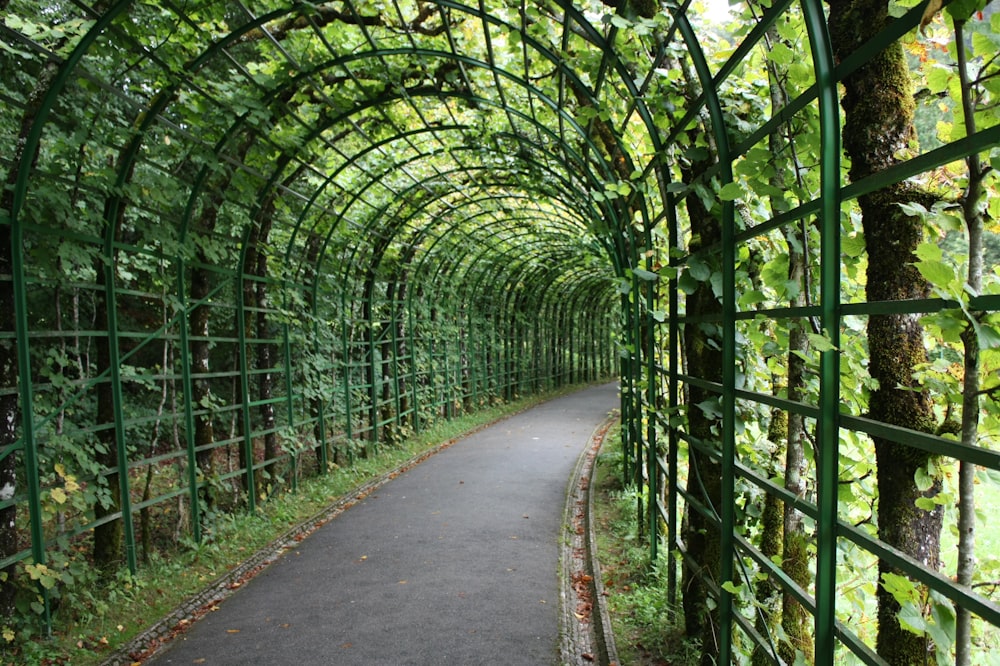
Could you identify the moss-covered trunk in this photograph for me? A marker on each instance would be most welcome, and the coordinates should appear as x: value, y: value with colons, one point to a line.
x: 878, y: 130
x: 767, y: 591
x: 201, y: 384
x: 107, y: 535
x: 703, y: 354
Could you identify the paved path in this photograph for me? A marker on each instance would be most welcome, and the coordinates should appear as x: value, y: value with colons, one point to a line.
x: 454, y: 562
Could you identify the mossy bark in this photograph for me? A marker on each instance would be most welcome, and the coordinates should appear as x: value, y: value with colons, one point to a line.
x: 108, y: 536
x: 703, y: 354
x: 878, y: 130
x: 768, y: 592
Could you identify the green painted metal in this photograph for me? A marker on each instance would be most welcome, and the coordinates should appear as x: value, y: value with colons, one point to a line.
x: 828, y: 435
x: 471, y: 192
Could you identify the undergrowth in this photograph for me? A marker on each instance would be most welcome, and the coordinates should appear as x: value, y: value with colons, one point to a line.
x: 98, y: 613
x: 648, y: 630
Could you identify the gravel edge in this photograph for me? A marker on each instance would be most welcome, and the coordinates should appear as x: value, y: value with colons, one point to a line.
x: 586, y: 636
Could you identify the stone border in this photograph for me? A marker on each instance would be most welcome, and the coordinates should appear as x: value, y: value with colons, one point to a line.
x: 585, y: 627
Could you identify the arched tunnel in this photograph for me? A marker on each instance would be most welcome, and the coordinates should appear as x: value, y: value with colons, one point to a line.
x: 247, y: 241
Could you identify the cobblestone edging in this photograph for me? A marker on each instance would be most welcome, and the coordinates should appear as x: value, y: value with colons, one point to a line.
x: 586, y: 634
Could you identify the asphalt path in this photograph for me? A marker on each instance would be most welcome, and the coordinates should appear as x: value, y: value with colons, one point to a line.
x: 455, y: 561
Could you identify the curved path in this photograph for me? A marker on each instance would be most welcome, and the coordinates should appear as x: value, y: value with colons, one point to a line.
x: 456, y: 561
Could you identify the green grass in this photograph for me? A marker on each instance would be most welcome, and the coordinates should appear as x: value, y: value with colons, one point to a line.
x: 648, y: 630
x: 99, y: 615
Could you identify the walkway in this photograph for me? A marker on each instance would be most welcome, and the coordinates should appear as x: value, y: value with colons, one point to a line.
x: 454, y: 562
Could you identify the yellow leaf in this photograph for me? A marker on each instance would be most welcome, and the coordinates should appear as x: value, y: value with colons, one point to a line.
x: 59, y: 495
x: 60, y: 469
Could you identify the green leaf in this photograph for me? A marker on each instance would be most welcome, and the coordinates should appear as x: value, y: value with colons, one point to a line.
x: 820, y: 343
x: 711, y: 408
x: 731, y: 192
x: 686, y: 283
x: 751, y: 297
x: 644, y: 275
x: 620, y: 21
x: 900, y: 587
x: 929, y: 252
x: 731, y: 588
x: 911, y: 619
x: 923, y: 480
x: 913, y: 209
x: 698, y: 269
x: 961, y: 10
x: 938, y: 79
x: 853, y: 246
x: 781, y: 54
x: 989, y: 337
x: 938, y: 273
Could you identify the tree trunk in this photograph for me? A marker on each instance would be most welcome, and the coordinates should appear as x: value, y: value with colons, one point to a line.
x: 313, y: 244
x: 878, y: 105
x: 771, y: 542
x: 198, y: 324
x: 265, y: 355
x: 201, y: 384
x: 9, y: 414
x: 107, y: 536
x: 703, y: 353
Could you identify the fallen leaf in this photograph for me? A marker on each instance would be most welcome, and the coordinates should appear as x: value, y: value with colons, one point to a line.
x: 232, y: 631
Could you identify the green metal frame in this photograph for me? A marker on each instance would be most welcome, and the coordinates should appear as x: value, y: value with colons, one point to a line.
x: 446, y: 209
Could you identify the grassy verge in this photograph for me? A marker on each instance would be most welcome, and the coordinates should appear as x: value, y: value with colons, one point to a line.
x: 98, y: 616
x: 648, y: 631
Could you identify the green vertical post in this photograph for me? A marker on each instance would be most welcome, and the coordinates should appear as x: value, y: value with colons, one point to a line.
x: 118, y: 398
x: 29, y: 442
x: 828, y: 431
